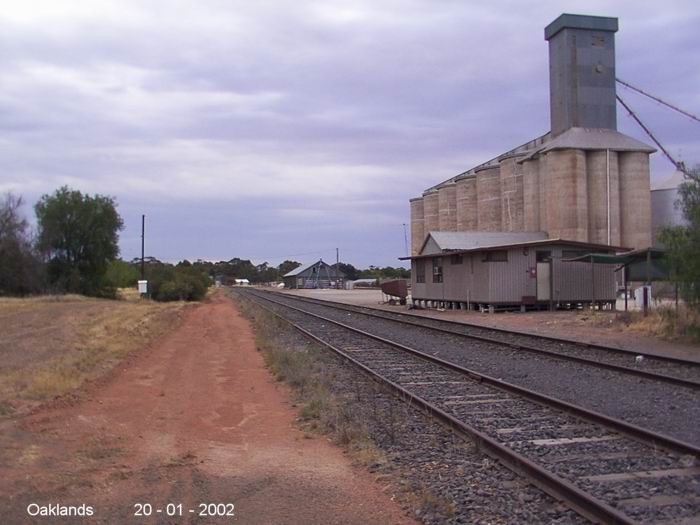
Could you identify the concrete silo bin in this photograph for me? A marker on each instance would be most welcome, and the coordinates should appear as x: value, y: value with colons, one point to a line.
x: 431, y: 218
x: 466, y: 203
x: 417, y: 222
x: 488, y: 198
x: 664, y: 212
x: 566, y: 195
x: 603, y: 197
x: 635, y: 199
x: 511, y: 195
x: 447, y: 207
x: 531, y: 196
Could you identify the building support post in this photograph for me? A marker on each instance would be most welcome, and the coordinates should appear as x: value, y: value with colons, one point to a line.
x: 592, y: 284
x: 624, y: 276
x: 645, y: 295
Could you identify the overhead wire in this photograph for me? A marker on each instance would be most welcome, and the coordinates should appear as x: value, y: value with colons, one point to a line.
x: 659, y: 100
x: 679, y: 165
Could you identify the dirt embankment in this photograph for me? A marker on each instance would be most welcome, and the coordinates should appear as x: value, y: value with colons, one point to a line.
x: 194, y: 420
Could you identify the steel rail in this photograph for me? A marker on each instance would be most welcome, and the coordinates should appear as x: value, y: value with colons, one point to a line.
x: 552, y: 338
x: 560, y: 489
x: 518, y: 346
x: 648, y: 437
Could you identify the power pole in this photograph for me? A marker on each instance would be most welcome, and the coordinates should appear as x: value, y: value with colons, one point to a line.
x: 143, y: 245
x: 405, y: 238
x: 337, y: 269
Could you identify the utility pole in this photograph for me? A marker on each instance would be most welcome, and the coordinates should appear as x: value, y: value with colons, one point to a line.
x: 405, y: 238
x: 143, y: 245
x: 337, y: 269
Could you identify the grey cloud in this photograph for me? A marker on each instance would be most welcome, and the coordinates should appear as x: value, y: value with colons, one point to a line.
x: 255, y: 119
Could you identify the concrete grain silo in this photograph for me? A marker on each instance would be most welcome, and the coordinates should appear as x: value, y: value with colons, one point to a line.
x: 531, y: 195
x: 431, y: 215
x: 511, y: 173
x: 635, y: 199
x: 488, y: 198
x: 566, y: 195
x: 417, y: 225
x: 466, y: 202
x: 603, y: 197
x: 664, y: 209
x: 447, y: 207
x: 581, y: 181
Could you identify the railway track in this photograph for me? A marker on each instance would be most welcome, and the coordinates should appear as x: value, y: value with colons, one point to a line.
x: 667, y: 370
x: 607, y: 470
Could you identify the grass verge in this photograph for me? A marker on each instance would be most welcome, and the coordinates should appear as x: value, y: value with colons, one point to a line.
x: 305, y: 368
x: 54, y: 344
x: 664, y: 322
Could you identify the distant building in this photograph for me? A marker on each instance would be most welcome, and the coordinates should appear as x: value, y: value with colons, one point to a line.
x: 664, y: 211
x: 241, y: 282
x: 315, y: 275
x: 361, y: 283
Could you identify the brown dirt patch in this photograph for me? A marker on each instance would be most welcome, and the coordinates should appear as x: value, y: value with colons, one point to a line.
x: 196, y: 419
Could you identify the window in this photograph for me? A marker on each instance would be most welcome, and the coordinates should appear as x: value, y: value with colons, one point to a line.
x: 437, y: 269
x: 456, y: 259
x: 496, y: 256
x: 420, y: 271
x: 544, y: 256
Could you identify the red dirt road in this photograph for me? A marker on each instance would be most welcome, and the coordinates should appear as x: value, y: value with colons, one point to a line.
x: 195, y: 419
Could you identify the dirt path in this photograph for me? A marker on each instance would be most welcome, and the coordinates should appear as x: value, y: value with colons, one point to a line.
x: 195, y: 419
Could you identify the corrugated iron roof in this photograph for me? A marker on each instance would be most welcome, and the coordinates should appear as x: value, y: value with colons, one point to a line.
x: 303, y: 267
x: 296, y: 271
x: 474, y: 239
x: 526, y: 244
x: 592, y: 139
x: 573, y: 138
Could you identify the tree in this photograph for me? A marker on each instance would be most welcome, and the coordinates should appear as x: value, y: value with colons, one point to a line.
x: 683, y: 242
x: 78, y: 237
x: 20, y: 268
x: 351, y: 273
x: 184, y: 282
x: 122, y: 274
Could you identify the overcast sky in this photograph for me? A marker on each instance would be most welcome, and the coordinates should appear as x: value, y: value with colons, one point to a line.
x: 283, y: 129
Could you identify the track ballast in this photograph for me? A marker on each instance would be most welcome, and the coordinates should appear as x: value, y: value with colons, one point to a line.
x: 607, y: 472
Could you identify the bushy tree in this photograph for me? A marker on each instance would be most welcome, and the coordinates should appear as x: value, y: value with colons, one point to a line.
x: 122, y: 274
x: 683, y: 242
x: 20, y: 268
x: 286, y: 267
x: 351, y: 273
x: 184, y: 282
x: 78, y: 236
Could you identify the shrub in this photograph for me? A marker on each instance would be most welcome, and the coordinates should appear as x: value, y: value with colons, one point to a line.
x: 177, y: 283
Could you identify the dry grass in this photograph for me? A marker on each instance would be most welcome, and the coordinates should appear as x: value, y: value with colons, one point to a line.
x: 54, y: 344
x: 304, y: 369
x: 663, y: 322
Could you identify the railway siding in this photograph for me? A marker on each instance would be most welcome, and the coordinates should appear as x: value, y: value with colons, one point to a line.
x: 661, y: 406
x: 619, y: 474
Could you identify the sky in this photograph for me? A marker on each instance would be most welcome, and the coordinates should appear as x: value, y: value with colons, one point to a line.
x: 275, y: 130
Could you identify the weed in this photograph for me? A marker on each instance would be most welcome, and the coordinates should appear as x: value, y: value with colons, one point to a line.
x: 664, y: 322
x: 100, y: 448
